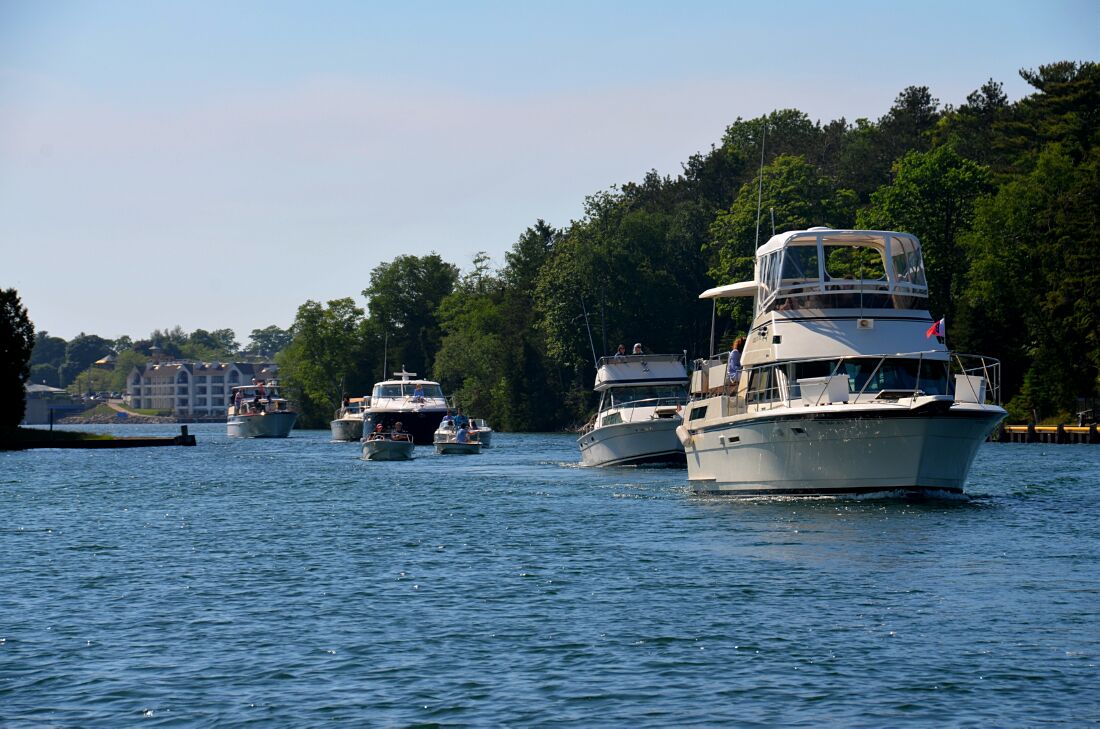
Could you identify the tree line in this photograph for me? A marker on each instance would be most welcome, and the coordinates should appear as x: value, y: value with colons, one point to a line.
x: 1003, y: 195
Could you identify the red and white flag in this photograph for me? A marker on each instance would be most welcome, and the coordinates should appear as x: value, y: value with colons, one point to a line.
x: 936, y: 330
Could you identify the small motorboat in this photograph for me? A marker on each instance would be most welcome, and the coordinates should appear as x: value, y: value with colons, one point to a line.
x: 456, y: 441
x: 388, y: 447
x: 478, y: 430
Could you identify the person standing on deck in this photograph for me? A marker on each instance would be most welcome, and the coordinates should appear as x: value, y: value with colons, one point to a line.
x: 733, y: 368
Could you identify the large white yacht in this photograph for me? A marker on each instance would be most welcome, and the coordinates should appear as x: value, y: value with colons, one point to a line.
x: 419, y: 405
x: 843, y: 389
x: 641, y: 401
x: 258, y: 411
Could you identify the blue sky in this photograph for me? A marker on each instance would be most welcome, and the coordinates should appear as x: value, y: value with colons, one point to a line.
x: 216, y: 164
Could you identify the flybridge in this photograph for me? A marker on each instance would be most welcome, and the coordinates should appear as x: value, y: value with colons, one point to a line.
x: 822, y: 268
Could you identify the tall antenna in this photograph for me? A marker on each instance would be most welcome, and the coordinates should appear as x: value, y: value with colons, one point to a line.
x: 595, y: 361
x: 760, y: 181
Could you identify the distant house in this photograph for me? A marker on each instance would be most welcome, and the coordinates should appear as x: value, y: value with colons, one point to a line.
x: 191, y: 388
x: 41, y: 399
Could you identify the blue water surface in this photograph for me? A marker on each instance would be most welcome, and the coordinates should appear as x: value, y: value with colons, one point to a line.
x: 290, y: 583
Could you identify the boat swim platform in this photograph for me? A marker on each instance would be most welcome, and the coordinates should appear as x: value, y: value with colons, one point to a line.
x: 1058, y: 434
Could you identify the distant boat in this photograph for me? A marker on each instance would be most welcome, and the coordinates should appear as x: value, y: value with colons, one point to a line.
x: 641, y: 404
x: 348, y: 424
x: 418, y: 404
x: 262, y: 413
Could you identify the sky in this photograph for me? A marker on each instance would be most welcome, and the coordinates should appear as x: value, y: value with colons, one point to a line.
x: 214, y: 164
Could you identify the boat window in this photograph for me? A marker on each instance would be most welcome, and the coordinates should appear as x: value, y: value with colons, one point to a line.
x: 651, y: 395
x: 806, y: 370
x: 388, y: 391
x: 930, y: 377
x: 854, y: 263
x: 762, y: 386
x: 800, y: 263
x: 433, y: 391
x: 908, y: 266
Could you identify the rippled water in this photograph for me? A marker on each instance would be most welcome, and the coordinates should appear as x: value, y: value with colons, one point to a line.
x: 289, y: 583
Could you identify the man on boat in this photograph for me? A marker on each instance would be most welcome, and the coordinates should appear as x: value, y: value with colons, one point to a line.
x: 398, y: 432
x: 463, y: 435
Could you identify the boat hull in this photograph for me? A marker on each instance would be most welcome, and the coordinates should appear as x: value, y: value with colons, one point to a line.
x: 632, y: 444
x: 830, y: 453
x: 457, y: 449
x: 388, y: 450
x: 264, y: 425
x: 347, y: 429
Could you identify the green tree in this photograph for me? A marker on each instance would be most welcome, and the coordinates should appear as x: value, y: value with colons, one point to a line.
x: 403, y: 299
x: 16, y: 343
x: 269, y: 341
x: 80, y: 353
x: 933, y: 196
x: 327, y: 352
x: 48, y: 350
x: 798, y: 196
x: 204, y: 345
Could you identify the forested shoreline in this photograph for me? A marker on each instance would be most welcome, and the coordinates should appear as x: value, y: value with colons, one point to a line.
x: 1004, y: 197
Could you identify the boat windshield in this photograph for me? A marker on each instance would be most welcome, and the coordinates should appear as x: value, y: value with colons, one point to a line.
x: 875, y: 374
x: 407, y: 389
x: 651, y: 395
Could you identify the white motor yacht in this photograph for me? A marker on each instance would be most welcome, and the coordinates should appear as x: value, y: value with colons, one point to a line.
x: 641, y: 403
x: 348, y: 423
x: 257, y: 411
x: 418, y: 404
x: 843, y: 389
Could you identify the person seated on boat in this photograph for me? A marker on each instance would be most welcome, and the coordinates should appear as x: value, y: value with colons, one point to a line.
x: 463, y: 435
x: 377, y: 434
x: 257, y: 406
x: 398, y: 432
x: 418, y: 393
x: 620, y: 353
x: 637, y: 348
x: 733, y: 367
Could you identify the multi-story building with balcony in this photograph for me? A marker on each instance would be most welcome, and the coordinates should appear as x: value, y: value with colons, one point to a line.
x: 192, y: 389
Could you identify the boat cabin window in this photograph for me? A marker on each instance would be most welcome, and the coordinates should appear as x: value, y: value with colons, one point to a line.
x: 854, y: 263
x: 763, y: 386
x: 406, y: 389
x: 866, y: 374
x: 648, y: 395
x: 908, y: 266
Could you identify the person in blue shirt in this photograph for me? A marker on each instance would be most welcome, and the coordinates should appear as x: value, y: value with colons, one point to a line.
x: 733, y: 369
x: 463, y: 435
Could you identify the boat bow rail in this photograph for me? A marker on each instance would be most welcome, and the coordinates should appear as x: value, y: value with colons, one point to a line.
x: 911, y: 379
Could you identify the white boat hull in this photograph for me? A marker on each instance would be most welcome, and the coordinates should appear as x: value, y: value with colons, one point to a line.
x: 839, y: 453
x: 347, y: 429
x: 636, y: 443
x: 451, y: 448
x: 262, y: 425
x: 388, y: 450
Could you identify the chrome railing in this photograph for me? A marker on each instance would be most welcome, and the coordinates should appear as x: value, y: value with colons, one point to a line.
x: 631, y: 405
x: 772, y: 385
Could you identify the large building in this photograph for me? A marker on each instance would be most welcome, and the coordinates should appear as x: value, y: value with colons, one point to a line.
x: 194, y: 389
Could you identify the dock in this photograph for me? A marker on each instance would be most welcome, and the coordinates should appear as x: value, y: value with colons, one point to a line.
x: 1058, y: 434
x: 48, y: 441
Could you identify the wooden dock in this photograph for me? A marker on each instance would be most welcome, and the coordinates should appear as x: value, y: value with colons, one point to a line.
x: 1047, y: 434
x: 46, y: 441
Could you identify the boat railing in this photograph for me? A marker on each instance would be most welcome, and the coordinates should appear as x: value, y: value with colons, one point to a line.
x: 629, y: 406
x: 627, y: 358
x: 851, y: 379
